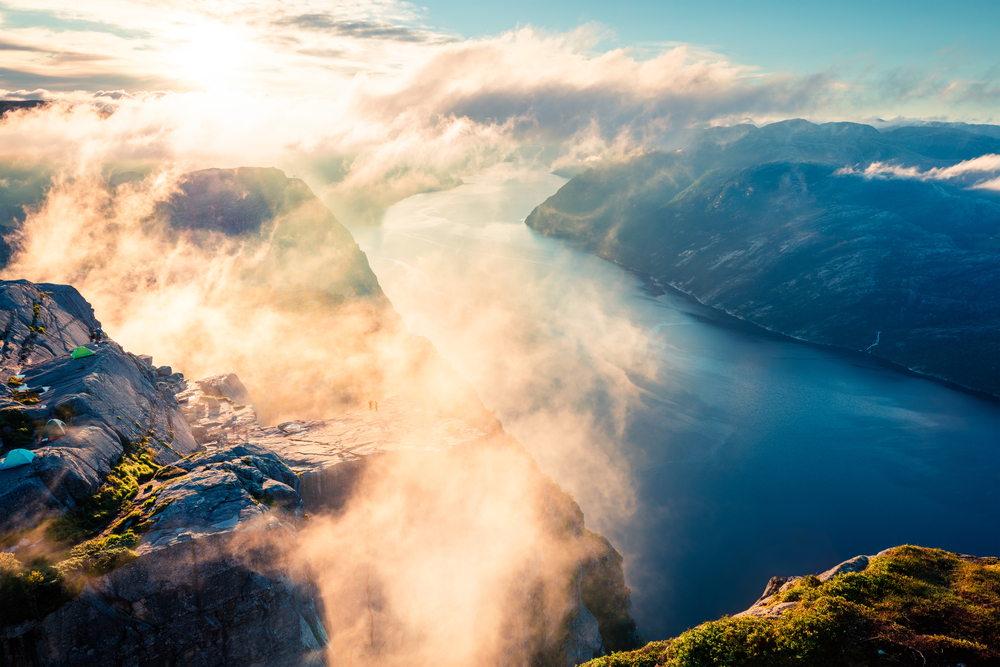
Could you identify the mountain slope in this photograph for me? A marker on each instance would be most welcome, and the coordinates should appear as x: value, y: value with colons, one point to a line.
x: 781, y: 226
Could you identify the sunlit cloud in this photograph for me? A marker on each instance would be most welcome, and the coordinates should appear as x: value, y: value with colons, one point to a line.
x: 974, y: 169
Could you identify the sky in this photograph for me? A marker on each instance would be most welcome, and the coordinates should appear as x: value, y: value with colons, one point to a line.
x: 878, y: 58
x: 371, y: 101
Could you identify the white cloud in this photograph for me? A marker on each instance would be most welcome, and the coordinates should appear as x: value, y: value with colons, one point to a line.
x: 378, y: 137
x: 975, y: 168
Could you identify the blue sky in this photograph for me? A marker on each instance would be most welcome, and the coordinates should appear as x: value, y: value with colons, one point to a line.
x: 800, y: 37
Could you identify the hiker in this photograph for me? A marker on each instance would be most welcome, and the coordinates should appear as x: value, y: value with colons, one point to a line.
x: 376, y: 406
x: 369, y: 406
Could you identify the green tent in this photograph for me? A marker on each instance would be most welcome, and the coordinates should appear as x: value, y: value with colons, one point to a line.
x: 17, y: 457
x: 81, y: 352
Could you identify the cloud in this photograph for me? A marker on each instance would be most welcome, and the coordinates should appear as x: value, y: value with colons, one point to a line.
x: 384, y: 135
x: 361, y: 29
x: 10, y: 46
x: 969, y: 171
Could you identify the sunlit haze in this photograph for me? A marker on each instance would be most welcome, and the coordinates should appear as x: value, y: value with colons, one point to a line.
x: 674, y: 296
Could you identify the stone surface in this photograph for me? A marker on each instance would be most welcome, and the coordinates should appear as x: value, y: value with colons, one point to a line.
x: 106, y: 400
x: 583, y: 642
x: 222, y: 599
x: 762, y: 607
x: 856, y: 564
x: 216, y: 580
x: 66, y: 317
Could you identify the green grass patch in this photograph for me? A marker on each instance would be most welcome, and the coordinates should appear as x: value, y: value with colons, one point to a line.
x: 912, y: 606
x: 110, y: 500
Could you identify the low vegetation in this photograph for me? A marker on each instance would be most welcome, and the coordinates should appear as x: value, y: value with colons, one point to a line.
x: 17, y: 429
x: 57, y: 559
x: 912, y: 606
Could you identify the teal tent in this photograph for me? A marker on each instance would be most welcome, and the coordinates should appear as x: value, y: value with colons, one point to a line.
x: 17, y: 457
x: 81, y: 352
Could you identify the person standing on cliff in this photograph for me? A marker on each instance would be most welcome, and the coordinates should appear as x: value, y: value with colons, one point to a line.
x: 369, y: 406
x: 376, y: 406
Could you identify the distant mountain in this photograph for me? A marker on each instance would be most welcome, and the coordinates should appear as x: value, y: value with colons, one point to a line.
x: 781, y: 226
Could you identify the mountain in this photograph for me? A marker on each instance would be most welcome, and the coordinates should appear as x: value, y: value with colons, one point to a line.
x: 787, y: 227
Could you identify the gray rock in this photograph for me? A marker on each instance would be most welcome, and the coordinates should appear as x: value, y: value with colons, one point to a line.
x: 226, y: 386
x: 283, y: 494
x: 145, y: 360
x: 768, y: 612
x: 65, y: 316
x: 164, y: 371
x: 583, y: 642
x: 776, y: 585
x: 856, y: 564
x: 107, y: 399
x: 195, y: 603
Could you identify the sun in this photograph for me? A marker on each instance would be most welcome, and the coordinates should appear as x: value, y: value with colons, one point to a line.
x: 210, y: 55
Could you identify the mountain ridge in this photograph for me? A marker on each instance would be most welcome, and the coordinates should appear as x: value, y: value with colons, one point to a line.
x: 778, y: 226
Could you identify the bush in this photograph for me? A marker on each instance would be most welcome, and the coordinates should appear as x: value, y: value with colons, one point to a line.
x: 31, y: 591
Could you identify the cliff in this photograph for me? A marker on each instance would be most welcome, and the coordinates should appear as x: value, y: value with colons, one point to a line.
x: 785, y: 227
x: 168, y: 524
x: 904, y: 606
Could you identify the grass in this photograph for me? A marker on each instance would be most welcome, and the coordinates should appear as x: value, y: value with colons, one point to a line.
x: 912, y: 606
x: 40, y: 586
x: 135, y: 468
x: 93, y: 540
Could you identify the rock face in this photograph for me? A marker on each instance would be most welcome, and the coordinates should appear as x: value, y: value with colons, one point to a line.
x: 107, y: 399
x: 210, y: 583
x: 781, y: 226
x: 215, y: 600
x: 62, y: 321
x: 308, y: 246
x: 332, y: 457
x: 210, y: 574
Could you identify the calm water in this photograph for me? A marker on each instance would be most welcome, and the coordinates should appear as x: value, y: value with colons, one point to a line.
x: 712, y: 456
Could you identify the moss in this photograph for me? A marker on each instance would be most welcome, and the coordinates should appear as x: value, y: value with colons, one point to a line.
x: 26, y: 397
x: 14, y: 382
x: 162, y: 506
x: 912, y: 606
x: 647, y: 656
x: 115, y: 495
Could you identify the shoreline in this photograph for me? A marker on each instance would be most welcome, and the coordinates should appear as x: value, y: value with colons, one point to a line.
x: 734, y: 322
